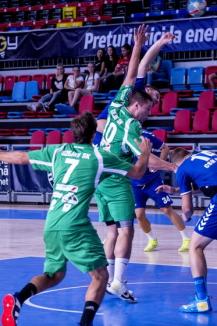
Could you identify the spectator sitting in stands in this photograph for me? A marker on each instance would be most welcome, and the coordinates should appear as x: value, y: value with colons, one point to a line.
x: 48, y: 101
x: 100, y: 62
x: 111, y: 60
x: 212, y: 78
x: 125, y: 56
x: 115, y: 79
x: 73, y: 81
x: 92, y: 82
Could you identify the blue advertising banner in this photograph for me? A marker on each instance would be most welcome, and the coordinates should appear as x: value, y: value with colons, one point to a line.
x: 25, y: 179
x: 190, y: 34
x: 5, y: 173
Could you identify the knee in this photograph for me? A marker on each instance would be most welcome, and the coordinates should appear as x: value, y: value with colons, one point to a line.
x: 101, y: 275
x: 58, y: 277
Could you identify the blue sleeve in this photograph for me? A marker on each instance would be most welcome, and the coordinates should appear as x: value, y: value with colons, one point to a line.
x: 139, y: 84
x: 97, y: 138
x: 183, y: 181
x: 156, y: 142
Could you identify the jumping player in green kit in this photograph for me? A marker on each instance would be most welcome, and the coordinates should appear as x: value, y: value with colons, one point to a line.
x: 69, y: 235
x: 114, y: 195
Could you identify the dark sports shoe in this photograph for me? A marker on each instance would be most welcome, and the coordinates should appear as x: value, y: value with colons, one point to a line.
x: 120, y: 290
x: 11, y: 310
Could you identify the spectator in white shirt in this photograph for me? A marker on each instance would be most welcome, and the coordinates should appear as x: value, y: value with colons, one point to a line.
x: 91, y: 85
x: 73, y: 81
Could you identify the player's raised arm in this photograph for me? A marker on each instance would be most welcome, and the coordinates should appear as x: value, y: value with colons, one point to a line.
x: 14, y: 157
x: 139, y: 39
x: 152, y: 53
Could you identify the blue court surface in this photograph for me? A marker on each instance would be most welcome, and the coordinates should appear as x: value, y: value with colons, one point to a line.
x: 160, y: 291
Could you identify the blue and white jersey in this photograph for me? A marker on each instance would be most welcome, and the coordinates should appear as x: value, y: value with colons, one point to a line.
x: 157, y: 145
x: 199, y: 169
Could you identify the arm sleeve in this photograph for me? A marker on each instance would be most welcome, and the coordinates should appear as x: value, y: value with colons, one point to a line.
x: 42, y: 159
x: 113, y: 164
x: 184, y: 181
x: 122, y: 97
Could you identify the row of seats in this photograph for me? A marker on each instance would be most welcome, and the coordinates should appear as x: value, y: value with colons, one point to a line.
x: 7, y: 82
x: 194, y: 78
x: 202, y: 122
x: 169, y: 104
x: 39, y: 137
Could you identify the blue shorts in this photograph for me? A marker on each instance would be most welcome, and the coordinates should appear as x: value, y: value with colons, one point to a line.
x: 207, y: 224
x: 144, y: 192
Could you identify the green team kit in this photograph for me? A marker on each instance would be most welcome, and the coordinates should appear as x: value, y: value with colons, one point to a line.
x: 69, y: 234
x: 121, y: 136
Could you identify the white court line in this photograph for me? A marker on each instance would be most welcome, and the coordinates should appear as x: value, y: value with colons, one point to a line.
x: 29, y: 303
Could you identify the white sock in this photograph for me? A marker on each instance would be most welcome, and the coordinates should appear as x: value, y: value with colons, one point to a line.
x: 184, y: 235
x: 111, y: 269
x: 120, y: 269
x: 150, y: 236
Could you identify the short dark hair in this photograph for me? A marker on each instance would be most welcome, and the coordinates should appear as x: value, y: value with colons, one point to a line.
x: 178, y: 154
x: 84, y: 127
x: 140, y: 96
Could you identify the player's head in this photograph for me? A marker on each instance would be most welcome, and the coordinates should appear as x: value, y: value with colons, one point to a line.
x: 140, y: 105
x: 84, y: 128
x: 59, y: 69
x: 154, y: 93
x: 178, y: 154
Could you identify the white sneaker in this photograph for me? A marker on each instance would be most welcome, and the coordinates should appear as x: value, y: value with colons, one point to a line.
x: 120, y: 290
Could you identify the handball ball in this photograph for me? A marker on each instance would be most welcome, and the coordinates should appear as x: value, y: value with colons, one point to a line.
x: 197, y: 8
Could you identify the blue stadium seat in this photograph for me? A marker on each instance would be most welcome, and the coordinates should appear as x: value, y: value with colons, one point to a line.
x: 32, y: 89
x: 178, y: 78
x: 195, y: 78
x: 18, y: 93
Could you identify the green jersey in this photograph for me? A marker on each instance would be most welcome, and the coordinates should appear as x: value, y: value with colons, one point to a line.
x: 76, y: 169
x: 122, y: 131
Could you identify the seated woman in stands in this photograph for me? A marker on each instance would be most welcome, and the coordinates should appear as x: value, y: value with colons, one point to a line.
x: 100, y: 62
x: 48, y: 101
x: 74, y: 80
x: 91, y: 84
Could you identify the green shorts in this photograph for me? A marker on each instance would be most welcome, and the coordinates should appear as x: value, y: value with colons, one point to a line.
x: 81, y: 246
x: 115, y: 200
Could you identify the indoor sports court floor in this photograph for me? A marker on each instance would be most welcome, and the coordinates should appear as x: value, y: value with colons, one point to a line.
x: 161, y: 280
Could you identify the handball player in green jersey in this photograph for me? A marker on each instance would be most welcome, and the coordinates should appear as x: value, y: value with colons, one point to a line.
x: 69, y: 235
x: 114, y: 194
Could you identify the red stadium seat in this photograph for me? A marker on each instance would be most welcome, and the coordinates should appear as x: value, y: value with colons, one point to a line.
x: 38, y: 138
x: 68, y: 137
x: 49, y: 78
x: 161, y: 134
x: 201, y: 122
x: 182, y: 122
x: 86, y: 104
x: 206, y: 100
x: 9, y: 83
x: 24, y: 78
x: 20, y: 132
x: 156, y: 109
x: 41, y: 80
x: 214, y: 123
x: 54, y: 137
x: 1, y: 82
x: 170, y: 101
x: 5, y: 132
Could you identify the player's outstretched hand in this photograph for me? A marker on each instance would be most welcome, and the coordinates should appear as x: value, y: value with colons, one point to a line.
x: 165, y: 188
x: 141, y: 35
x: 166, y: 38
